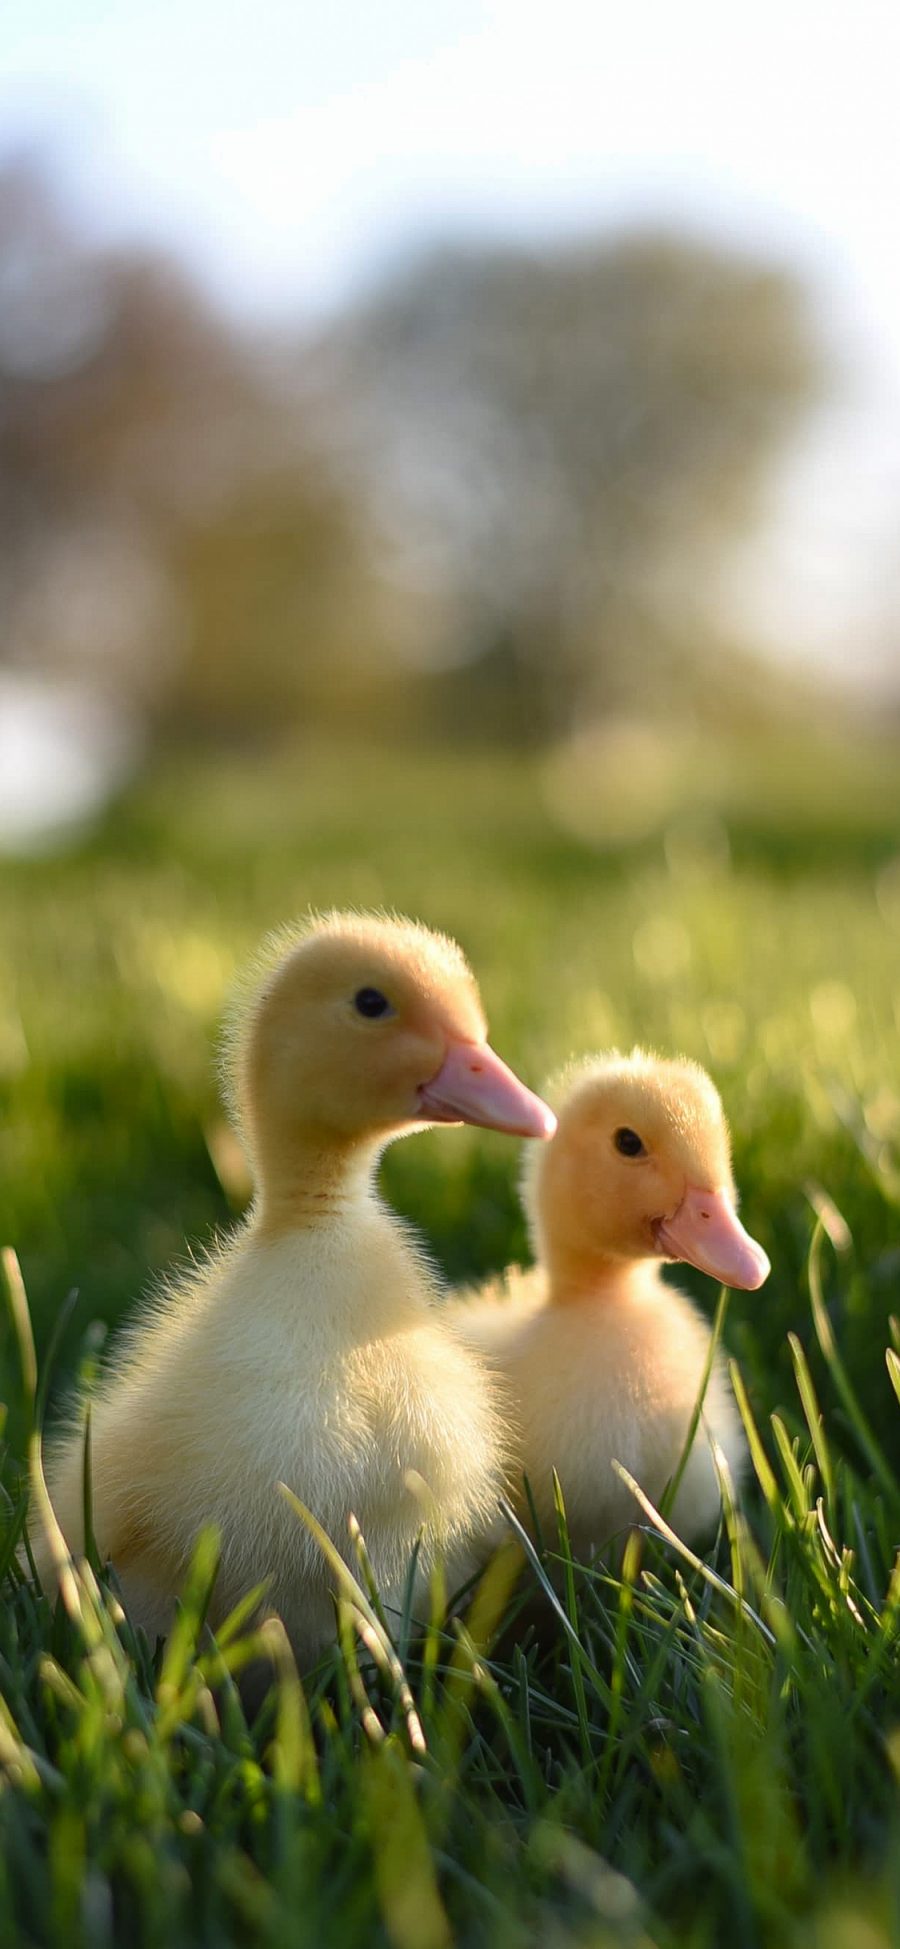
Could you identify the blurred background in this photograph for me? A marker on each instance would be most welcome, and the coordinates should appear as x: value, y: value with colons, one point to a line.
x: 449, y: 458
x: 440, y: 379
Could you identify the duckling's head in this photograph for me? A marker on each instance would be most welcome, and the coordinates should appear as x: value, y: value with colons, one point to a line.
x: 640, y: 1168
x: 365, y: 1027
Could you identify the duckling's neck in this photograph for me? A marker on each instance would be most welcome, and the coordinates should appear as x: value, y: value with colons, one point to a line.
x: 313, y: 1181
x: 574, y: 1274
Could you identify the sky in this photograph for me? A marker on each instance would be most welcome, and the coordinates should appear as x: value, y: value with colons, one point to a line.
x: 288, y: 151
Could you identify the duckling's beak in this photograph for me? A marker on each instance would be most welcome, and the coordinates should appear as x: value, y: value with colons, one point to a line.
x: 474, y: 1086
x: 707, y: 1232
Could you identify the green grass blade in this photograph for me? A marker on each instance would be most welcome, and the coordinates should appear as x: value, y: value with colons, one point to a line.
x: 824, y: 1333
x: 814, y: 1419
x: 667, y: 1501
x: 764, y: 1473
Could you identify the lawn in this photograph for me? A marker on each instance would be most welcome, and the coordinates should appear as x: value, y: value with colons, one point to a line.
x: 692, y: 1751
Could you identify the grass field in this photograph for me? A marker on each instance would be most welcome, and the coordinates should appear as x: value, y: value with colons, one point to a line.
x: 698, y: 1752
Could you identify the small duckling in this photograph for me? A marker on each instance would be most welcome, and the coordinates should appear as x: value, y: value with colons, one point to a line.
x: 603, y: 1359
x: 308, y: 1348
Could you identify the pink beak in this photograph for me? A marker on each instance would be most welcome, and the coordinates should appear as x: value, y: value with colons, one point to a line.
x: 474, y: 1086
x: 707, y: 1232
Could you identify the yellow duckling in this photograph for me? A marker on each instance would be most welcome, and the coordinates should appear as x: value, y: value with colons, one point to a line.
x: 307, y: 1350
x: 603, y: 1359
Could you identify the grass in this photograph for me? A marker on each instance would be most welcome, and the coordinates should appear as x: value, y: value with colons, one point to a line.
x: 691, y: 1749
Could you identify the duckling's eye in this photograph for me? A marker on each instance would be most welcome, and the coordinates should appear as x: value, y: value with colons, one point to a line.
x: 371, y: 1003
x: 628, y: 1143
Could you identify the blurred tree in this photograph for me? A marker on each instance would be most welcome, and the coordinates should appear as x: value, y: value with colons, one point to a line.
x: 114, y: 388
x: 285, y: 623
x: 557, y: 445
x: 485, y: 500
x: 167, y: 535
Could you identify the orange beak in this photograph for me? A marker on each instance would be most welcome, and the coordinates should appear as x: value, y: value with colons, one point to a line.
x: 474, y: 1086
x: 706, y: 1232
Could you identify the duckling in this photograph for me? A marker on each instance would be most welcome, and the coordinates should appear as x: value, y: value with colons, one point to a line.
x: 307, y: 1349
x: 603, y: 1359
